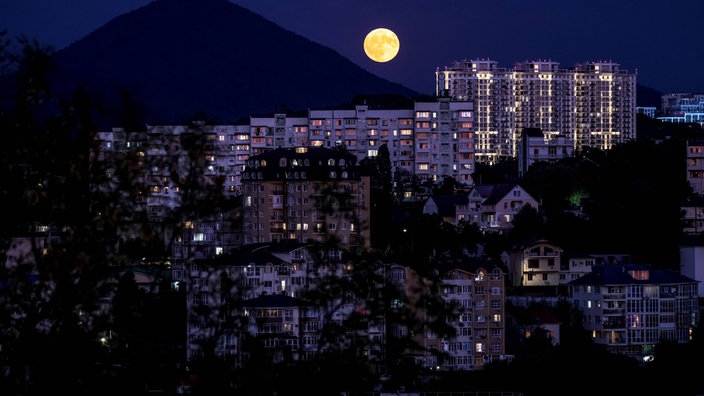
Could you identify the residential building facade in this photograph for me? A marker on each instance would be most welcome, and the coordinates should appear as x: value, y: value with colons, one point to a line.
x: 629, y: 308
x: 534, y: 263
x: 478, y: 291
x: 592, y: 104
x: 535, y: 146
x: 695, y: 165
x: 305, y: 194
x: 270, y: 281
x: 494, y: 206
x: 692, y: 261
x: 283, y: 270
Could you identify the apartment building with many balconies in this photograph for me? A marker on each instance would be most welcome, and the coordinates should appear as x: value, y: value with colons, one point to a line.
x: 363, y: 130
x: 262, y: 290
x: 477, y: 289
x: 444, y: 141
x: 212, y: 285
x: 630, y: 308
x: 592, y: 104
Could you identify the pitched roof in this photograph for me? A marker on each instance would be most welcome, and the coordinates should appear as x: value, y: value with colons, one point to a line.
x: 446, y: 203
x: 290, y: 163
x: 493, y: 193
x: 239, y: 258
x: 469, y: 264
x: 283, y: 246
x: 620, y: 274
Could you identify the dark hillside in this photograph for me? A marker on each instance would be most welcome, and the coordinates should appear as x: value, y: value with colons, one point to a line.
x: 648, y: 97
x: 183, y: 57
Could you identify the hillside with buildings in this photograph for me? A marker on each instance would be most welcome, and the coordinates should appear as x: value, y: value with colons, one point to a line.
x: 358, y: 248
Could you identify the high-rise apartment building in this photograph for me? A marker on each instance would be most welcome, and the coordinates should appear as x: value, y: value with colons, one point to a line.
x: 593, y: 104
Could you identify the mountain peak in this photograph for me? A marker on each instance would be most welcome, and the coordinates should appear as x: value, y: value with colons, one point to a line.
x: 179, y: 58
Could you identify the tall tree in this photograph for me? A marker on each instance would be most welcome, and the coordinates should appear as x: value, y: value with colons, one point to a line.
x: 382, y: 199
x: 53, y: 301
x: 78, y: 216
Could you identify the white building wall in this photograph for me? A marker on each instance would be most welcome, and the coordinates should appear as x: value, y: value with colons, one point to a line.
x: 692, y: 264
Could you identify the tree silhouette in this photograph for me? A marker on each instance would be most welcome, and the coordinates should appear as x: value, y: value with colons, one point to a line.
x: 527, y: 224
x: 382, y: 197
x: 52, y: 301
x: 85, y: 225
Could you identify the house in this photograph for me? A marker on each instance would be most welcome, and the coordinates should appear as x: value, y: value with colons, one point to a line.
x: 493, y: 206
x: 490, y: 206
x: 533, y: 263
x: 535, y: 146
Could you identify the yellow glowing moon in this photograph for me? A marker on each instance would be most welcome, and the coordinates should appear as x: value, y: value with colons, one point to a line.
x: 381, y: 45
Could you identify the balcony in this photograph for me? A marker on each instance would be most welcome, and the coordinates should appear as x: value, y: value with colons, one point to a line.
x: 614, y: 296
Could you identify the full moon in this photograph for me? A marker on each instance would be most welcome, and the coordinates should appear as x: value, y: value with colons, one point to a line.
x: 381, y: 45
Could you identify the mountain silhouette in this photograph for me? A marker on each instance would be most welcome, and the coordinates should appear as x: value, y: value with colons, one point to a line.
x: 182, y: 59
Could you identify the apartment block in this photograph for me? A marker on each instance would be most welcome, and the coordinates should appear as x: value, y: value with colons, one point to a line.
x: 264, y: 277
x: 629, y: 308
x: 270, y: 280
x: 592, y: 104
x: 478, y: 291
x: 305, y: 194
x: 432, y: 141
x: 443, y: 139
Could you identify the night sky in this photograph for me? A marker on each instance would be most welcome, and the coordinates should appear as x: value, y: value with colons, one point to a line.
x: 660, y: 40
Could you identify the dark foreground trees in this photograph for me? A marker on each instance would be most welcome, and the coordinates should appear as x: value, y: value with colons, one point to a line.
x: 67, y: 246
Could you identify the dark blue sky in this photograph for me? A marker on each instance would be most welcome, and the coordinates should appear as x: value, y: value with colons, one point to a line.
x: 658, y: 39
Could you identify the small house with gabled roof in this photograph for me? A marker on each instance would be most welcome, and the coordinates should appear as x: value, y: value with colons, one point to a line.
x: 491, y: 206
